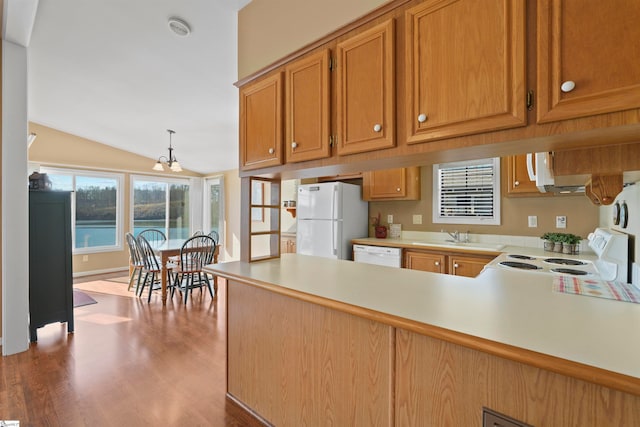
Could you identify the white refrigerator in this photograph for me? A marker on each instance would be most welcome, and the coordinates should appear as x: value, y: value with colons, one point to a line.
x: 329, y: 215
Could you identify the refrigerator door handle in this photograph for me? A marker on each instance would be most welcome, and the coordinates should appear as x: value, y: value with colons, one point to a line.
x: 333, y: 223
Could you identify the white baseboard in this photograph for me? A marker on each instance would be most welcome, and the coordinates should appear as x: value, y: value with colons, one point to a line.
x: 105, y: 271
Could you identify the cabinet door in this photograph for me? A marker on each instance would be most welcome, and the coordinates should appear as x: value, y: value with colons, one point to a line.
x: 392, y: 184
x: 518, y: 182
x: 593, y: 44
x: 261, y: 123
x: 366, y: 91
x: 424, y: 261
x: 468, y: 266
x: 465, y: 67
x: 307, y: 106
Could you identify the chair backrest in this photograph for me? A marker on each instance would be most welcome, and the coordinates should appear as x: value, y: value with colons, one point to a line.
x: 134, y: 250
x: 153, y: 236
x: 148, y: 256
x: 196, y: 252
x: 214, y: 235
x: 197, y: 233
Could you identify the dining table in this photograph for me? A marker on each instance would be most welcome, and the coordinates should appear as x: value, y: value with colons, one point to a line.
x: 170, y: 248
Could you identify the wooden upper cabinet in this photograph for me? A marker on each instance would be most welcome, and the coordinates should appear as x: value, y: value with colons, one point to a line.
x: 424, y: 261
x: 307, y: 120
x: 366, y: 90
x: 261, y: 123
x: 595, y: 46
x: 465, y: 65
x: 518, y: 181
x: 391, y: 184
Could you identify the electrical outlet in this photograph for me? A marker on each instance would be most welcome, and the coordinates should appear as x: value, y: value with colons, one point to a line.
x: 533, y: 221
x: 85, y: 258
x: 389, y: 219
x: 561, y: 221
x: 417, y: 219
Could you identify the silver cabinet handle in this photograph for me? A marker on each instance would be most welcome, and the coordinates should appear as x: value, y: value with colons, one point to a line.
x: 271, y: 150
x: 455, y: 265
x: 422, y: 118
x: 398, y: 189
x: 294, y: 145
x: 437, y: 263
x: 568, y: 86
x: 516, y: 183
x: 377, y: 127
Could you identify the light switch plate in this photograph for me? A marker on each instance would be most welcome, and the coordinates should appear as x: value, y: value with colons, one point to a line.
x: 389, y: 219
x: 561, y: 221
x: 417, y: 219
x: 533, y: 221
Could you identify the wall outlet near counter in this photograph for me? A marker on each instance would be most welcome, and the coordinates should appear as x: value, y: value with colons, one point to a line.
x: 85, y: 258
x: 532, y: 221
x: 417, y: 219
x: 389, y: 219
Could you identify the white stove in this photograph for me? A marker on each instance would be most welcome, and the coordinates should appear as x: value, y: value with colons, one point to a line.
x: 611, y: 247
x: 552, y: 264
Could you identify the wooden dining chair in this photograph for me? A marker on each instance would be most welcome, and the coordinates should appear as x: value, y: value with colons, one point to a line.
x: 215, y: 236
x: 135, y: 260
x: 151, y: 267
x: 196, y: 252
x: 153, y: 236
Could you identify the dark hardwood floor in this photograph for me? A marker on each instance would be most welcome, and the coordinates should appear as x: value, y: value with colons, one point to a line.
x: 129, y: 363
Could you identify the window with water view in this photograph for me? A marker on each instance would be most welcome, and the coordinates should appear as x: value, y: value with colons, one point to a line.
x: 95, y: 206
x: 161, y: 205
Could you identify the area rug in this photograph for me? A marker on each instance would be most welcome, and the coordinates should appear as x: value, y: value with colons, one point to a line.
x: 80, y: 299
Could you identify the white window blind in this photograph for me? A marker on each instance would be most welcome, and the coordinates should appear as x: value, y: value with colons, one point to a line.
x: 467, y: 192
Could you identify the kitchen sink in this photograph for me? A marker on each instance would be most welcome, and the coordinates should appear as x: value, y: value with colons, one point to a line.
x: 470, y: 245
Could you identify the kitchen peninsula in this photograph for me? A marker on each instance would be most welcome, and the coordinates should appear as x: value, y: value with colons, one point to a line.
x: 314, y: 340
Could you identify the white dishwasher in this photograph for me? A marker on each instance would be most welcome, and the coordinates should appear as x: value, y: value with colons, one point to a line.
x: 378, y: 255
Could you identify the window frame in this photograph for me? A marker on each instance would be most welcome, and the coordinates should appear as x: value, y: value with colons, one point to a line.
x: 437, y: 218
x: 74, y: 173
x: 168, y: 181
x: 208, y: 182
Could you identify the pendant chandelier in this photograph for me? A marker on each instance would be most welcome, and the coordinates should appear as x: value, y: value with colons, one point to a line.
x: 170, y: 161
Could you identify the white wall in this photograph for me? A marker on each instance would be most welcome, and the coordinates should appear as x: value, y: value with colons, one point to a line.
x: 288, y: 191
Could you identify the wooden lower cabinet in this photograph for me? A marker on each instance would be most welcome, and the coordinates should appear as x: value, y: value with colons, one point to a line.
x: 468, y: 266
x: 439, y: 262
x: 423, y: 261
x: 295, y: 363
x: 292, y: 362
x: 439, y: 383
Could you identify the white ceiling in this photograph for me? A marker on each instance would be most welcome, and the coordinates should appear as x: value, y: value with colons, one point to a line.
x: 112, y: 71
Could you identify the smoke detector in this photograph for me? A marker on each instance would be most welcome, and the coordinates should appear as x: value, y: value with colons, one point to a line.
x: 179, y: 27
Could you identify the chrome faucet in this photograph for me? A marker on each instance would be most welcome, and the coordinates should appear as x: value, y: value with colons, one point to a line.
x: 456, y: 236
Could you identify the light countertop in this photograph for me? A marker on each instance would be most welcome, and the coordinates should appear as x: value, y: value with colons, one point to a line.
x: 510, y: 307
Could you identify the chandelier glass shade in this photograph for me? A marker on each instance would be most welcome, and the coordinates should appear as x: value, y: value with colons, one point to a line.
x: 171, y: 161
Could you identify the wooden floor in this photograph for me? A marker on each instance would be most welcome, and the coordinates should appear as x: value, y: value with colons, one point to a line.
x: 129, y: 363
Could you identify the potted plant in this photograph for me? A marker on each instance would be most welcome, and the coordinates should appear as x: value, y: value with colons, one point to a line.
x: 570, y: 243
x: 380, y: 231
x: 551, y: 240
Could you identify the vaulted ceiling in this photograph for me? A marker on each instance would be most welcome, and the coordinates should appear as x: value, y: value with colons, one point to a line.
x: 113, y: 72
